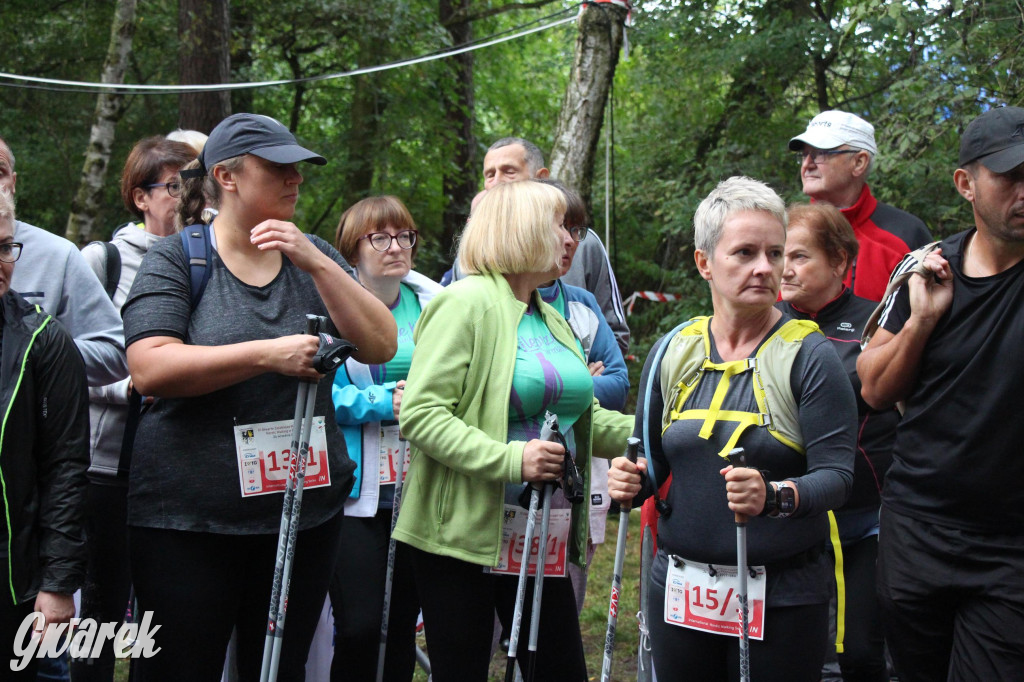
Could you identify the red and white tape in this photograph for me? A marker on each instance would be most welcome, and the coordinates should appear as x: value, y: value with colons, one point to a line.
x: 649, y: 296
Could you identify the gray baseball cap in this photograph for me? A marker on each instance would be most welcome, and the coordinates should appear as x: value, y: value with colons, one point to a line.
x: 258, y: 135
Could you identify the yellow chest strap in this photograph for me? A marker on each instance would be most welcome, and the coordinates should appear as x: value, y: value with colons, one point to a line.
x: 714, y: 412
x: 775, y: 388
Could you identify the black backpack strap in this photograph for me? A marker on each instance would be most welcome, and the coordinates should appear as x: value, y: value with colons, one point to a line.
x: 195, y: 240
x: 112, y: 266
x: 135, y: 411
x: 113, y: 269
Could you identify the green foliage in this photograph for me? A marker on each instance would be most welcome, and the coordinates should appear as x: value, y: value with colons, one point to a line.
x: 709, y: 90
x: 718, y: 89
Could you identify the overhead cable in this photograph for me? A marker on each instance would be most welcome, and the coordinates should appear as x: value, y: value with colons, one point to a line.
x: 37, y: 83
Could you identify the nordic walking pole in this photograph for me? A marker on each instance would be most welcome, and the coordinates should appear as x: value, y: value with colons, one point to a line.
x: 517, y: 613
x: 390, y: 576
x: 538, y: 580
x: 632, y: 444
x: 549, y: 431
x: 737, y: 459
x: 331, y: 353
x: 645, y: 666
x: 268, y: 673
x: 546, y: 433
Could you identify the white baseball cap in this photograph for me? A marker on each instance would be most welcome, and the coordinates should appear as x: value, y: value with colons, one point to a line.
x: 830, y: 129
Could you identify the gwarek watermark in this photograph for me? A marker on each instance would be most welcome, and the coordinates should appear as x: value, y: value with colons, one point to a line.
x: 82, y: 638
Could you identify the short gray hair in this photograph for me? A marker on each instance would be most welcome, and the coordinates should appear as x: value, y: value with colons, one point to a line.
x: 10, y: 152
x: 534, y: 156
x: 738, y: 193
x: 6, y: 208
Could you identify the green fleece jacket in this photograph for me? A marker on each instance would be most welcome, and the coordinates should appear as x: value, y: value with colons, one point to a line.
x: 455, y: 416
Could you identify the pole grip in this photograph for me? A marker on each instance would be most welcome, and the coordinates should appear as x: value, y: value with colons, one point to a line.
x: 737, y: 458
x: 313, y: 324
x: 632, y: 449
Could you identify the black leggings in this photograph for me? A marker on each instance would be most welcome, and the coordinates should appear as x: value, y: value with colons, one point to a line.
x: 793, y: 649
x: 107, y: 580
x: 459, y: 601
x: 200, y: 586
x: 863, y: 658
x: 357, y: 597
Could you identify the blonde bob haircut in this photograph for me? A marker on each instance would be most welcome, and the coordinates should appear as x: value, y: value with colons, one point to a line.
x: 509, y: 231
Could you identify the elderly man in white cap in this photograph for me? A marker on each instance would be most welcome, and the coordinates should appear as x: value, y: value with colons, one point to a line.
x: 837, y: 152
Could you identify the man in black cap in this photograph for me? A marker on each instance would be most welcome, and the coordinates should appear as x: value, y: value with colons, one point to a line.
x: 951, y: 545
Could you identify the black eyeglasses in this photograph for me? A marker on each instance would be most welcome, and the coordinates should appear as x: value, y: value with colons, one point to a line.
x: 578, y: 232
x: 10, y: 252
x: 381, y: 241
x: 821, y: 155
x: 173, y: 188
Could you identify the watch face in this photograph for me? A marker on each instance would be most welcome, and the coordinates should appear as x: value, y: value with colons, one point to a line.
x: 787, y: 499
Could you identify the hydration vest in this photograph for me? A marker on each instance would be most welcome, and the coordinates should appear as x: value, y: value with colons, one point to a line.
x: 687, y: 357
x: 682, y: 361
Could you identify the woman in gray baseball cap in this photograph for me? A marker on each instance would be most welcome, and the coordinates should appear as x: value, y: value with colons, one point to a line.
x: 208, y: 455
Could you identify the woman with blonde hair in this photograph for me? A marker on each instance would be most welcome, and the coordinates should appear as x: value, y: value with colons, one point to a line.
x: 491, y: 359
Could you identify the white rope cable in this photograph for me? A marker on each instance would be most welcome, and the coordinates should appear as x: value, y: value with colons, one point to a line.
x: 178, y: 89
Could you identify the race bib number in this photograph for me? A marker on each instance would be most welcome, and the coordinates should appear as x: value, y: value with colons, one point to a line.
x: 703, y: 597
x: 513, y: 535
x: 390, y: 447
x: 264, y: 452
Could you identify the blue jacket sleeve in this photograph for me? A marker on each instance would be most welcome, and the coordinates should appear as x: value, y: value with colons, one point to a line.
x: 611, y: 388
x: 358, y: 406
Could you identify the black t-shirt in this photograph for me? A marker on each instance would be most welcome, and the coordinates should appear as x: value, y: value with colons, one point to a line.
x: 958, y: 457
x: 184, y: 472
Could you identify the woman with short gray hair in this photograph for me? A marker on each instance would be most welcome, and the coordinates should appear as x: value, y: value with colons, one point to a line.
x: 747, y: 377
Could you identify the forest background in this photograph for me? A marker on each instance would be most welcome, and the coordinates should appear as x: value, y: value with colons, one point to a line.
x: 700, y: 91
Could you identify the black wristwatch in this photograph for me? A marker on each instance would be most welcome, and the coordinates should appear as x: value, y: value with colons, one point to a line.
x: 770, y: 498
x: 785, y: 499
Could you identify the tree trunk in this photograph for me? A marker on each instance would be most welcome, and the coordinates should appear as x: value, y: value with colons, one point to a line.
x: 462, y: 174
x: 241, y: 57
x: 364, y: 124
x: 203, y: 58
x: 579, y: 121
x: 109, y: 108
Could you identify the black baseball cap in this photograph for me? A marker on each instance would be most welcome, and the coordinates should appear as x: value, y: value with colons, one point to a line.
x: 996, y: 139
x: 258, y: 135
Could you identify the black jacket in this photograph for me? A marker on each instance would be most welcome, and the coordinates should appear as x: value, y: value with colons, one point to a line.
x: 842, y: 320
x: 44, y: 451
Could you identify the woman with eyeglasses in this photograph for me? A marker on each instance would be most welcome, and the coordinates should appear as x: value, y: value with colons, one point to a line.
x: 208, y: 471
x: 150, y: 188
x: 378, y: 237
x: 492, y: 358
